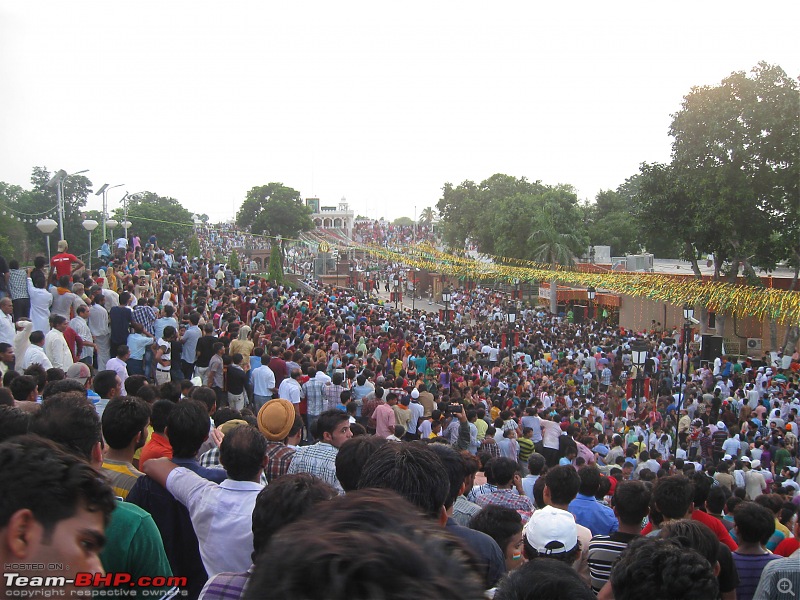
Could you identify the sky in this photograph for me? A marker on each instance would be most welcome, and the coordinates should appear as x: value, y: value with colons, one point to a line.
x: 379, y: 103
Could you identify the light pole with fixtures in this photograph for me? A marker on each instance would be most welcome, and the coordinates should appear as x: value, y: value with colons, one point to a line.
x: 688, y: 315
x: 104, y: 191
x: 511, y: 317
x: 639, y: 357
x: 58, y: 180
x: 396, y: 284
x: 90, y: 225
x: 47, y: 226
x: 591, y: 293
x: 446, y: 299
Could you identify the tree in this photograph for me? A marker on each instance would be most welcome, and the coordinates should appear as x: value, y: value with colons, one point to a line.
x: 162, y: 216
x: 14, y: 239
x: 194, y: 247
x: 427, y: 216
x: 403, y: 222
x: 275, y: 210
x: 233, y: 262
x: 555, y: 248
x: 612, y: 221
x: 275, y: 265
x: 43, y: 198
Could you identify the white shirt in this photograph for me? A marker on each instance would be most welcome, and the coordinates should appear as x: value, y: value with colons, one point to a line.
x: 263, y: 380
x: 40, y: 307
x: 7, y: 330
x: 57, y: 349
x: 98, y: 321
x: 81, y: 327
x: 120, y: 368
x: 290, y: 390
x: 222, y: 516
x: 35, y: 355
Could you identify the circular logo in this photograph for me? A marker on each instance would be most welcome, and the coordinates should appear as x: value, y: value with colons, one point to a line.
x: 324, y: 247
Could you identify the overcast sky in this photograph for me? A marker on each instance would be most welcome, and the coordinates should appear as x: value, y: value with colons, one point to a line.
x: 381, y: 103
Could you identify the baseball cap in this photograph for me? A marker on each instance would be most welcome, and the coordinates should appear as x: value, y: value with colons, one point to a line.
x: 79, y: 371
x: 756, y: 464
x: 746, y: 459
x: 551, y: 531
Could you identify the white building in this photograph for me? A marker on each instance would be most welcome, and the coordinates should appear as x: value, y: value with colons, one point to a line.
x: 332, y: 217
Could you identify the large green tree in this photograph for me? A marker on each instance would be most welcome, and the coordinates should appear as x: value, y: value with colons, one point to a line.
x: 162, y: 216
x: 610, y: 221
x: 275, y: 210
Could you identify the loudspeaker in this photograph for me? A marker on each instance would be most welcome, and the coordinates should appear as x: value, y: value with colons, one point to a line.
x: 711, y: 347
x: 712, y: 320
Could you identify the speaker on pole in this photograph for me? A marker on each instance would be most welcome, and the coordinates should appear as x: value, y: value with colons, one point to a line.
x: 711, y: 347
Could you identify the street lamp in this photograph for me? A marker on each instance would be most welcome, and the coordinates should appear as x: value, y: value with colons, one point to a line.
x: 58, y: 180
x: 511, y: 317
x: 688, y: 315
x: 110, y: 223
x: 104, y: 191
x: 126, y: 224
x: 395, y: 283
x: 446, y: 299
x: 639, y: 357
x: 47, y: 226
x: 591, y: 293
x: 90, y: 225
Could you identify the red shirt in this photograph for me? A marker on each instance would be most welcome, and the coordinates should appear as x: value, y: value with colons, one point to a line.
x: 712, y: 523
x: 157, y: 447
x: 62, y: 263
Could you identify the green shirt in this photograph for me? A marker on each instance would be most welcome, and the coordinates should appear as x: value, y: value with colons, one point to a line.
x: 525, y: 449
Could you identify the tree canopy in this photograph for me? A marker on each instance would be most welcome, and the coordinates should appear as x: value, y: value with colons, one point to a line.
x: 163, y: 216
x: 275, y: 210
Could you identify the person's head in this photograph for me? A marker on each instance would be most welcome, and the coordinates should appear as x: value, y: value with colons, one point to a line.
x: 24, y: 388
x: 352, y: 457
x: 6, y: 305
x: 590, y: 480
x: 187, y: 428
x: 242, y: 453
x: 58, y: 322
x: 6, y: 353
x: 283, y: 502
x: 207, y: 396
x: 631, y: 502
x: 72, y: 422
x: 562, y: 484
x: 54, y: 508
x: 662, y: 568
x: 455, y: 466
x: 536, y: 464
x: 543, y: 578
x: 754, y: 523
x: 551, y: 532
x: 504, y: 526
x: 673, y: 496
x: 125, y: 421
x: 367, y: 544
x: 695, y: 535
x: 412, y: 470
x: 13, y: 421
x: 160, y: 413
x: 503, y: 471
x: 107, y: 384
x: 333, y: 427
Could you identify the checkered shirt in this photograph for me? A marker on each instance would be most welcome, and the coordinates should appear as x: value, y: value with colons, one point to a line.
x: 318, y: 460
x: 145, y: 316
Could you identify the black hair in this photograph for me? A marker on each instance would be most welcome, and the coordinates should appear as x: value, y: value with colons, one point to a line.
x: 695, y: 535
x: 187, y: 428
x: 367, y: 544
x: 134, y: 384
x: 65, y: 386
x: 124, y: 418
x: 673, y: 496
x: 755, y: 524
x: 498, y: 522
x: 37, y: 475
x: 536, y: 463
x: 659, y: 568
x: 158, y: 417
x: 503, y: 470
x: 328, y: 421
x: 104, y: 382
x: 543, y: 578
x: 352, y: 457
x: 563, y: 482
x: 412, y: 470
x: 455, y: 467
x: 283, y: 502
x: 717, y: 496
x: 70, y: 421
x: 206, y: 396
x: 590, y: 480
x: 631, y: 501
x: 21, y: 387
x: 242, y: 452
x: 13, y: 421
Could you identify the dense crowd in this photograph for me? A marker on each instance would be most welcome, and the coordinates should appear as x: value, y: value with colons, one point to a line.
x: 258, y: 441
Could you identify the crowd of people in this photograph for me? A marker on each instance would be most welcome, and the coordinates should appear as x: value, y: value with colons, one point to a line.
x: 258, y: 441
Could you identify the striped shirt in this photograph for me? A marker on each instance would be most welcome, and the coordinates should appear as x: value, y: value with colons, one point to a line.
x: 603, y: 551
x: 121, y: 476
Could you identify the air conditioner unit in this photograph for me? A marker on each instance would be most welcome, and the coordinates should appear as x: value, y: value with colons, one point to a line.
x: 754, y: 344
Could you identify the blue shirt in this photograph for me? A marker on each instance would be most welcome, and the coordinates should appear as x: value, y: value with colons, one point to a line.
x: 591, y: 514
x: 137, y: 343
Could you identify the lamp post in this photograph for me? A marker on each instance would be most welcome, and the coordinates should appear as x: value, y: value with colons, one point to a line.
x: 58, y: 180
x: 110, y: 223
x: 104, y: 191
x: 47, y: 226
x: 688, y: 315
x: 446, y: 300
x: 126, y: 225
x: 511, y: 317
x: 639, y: 356
x: 591, y: 293
x: 90, y: 225
x: 395, y: 284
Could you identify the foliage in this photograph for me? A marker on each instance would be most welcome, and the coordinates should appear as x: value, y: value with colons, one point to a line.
x: 276, y: 210
x: 276, y: 264
x: 160, y: 215
x: 610, y: 221
x: 499, y: 214
x: 13, y: 234
x: 194, y: 247
x: 403, y: 222
x: 233, y: 262
x: 427, y: 216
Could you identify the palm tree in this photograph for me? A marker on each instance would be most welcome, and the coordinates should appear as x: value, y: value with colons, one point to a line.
x: 554, y: 248
x: 427, y: 216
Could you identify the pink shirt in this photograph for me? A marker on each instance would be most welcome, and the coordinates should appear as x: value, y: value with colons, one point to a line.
x: 384, y: 420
